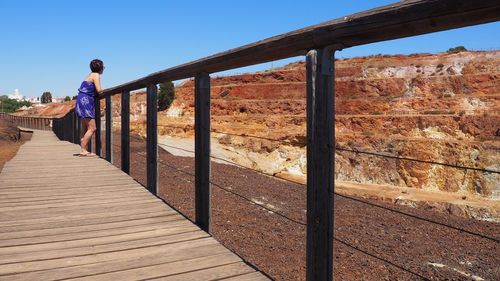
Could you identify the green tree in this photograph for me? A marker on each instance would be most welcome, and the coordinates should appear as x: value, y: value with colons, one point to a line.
x: 11, y: 105
x: 166, y: 95
x: 456, y: 49
x: 67, y: 98
x: 74, y: 97
x: 46, y: 97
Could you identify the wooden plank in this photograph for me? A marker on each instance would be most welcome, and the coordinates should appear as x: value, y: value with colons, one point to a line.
x: 104, y: 248
x: 171, y: 268
x: 152, y: 139
x: 118, y: 186
x: 398, y: 20
x: 70, y: 199
x: 109, y: 130
x: 89, y: 220
x: 101, y: 258
x: 89, y: 234
x: 115, y: 212
x: 253, y: 276
x: 85, y: 228
x: 68, y: 203
x: 93, y: 241
x: 320, y: 160
x: 67, y: 183
x: 122, y: 262
x: 81, y: 190
x: 125, y: 132
x: 202, y: 151
x: 214, y: 273
x: 81, y: 210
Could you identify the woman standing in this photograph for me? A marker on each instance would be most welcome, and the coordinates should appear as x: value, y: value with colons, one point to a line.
x: 88, y: 91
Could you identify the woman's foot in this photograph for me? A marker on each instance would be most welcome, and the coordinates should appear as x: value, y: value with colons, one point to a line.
x: 86, y: 153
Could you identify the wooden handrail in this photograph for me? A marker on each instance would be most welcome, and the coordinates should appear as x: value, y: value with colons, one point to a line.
x: 31, y: 122
x: 398, y: 20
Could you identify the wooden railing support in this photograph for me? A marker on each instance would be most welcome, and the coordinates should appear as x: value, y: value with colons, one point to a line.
x: 202, y: 151
x: 125, y: 132
x: 77, y: 129
x: 320, y: 164
x: 97, y: 107
x: 109, y: 130
x: 152, y: 139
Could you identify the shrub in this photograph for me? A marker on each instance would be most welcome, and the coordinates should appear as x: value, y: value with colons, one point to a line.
x: 46, y: 97
x: 456, y: 49
x: 166, y: 95
x: 11, y: 105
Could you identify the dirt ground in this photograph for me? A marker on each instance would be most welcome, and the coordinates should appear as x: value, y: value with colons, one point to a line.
x: 373, y: 240
x: 9, y: 141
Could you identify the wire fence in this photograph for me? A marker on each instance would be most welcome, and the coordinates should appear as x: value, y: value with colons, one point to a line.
x: 300, y: 223
x: 357, y: 151
x: 336, y: 193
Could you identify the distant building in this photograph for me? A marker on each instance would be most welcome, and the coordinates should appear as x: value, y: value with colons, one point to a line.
x: 57, y: 100
x: 34, y: 101
x: 16, y: 95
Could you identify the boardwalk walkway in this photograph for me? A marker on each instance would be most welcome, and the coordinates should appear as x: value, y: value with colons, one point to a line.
x: 69, y: 217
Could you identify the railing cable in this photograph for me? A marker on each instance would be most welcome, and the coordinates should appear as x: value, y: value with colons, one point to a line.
x: 341, y: 195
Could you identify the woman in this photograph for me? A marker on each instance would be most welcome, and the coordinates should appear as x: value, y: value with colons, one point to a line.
x: 90, y: 89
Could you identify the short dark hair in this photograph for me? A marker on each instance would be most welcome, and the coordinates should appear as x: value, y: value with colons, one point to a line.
x: 96, y: 66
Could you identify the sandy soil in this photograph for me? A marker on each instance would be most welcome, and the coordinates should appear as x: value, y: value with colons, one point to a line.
x: 262, y: 219
x: 9, y: 141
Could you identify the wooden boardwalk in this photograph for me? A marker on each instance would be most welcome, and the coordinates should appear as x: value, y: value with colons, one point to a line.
x: 69, y: 217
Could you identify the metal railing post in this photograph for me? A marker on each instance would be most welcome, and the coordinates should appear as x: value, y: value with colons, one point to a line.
x: 202, y: 151
x: 320, y: 164
x: 125, y: 132
x: 152, y: 139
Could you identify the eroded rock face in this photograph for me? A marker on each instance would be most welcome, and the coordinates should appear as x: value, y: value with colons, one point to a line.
x: 441, y: 108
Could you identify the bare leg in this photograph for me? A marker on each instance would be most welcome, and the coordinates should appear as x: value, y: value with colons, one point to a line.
x: 91, y: 128
x: 83, y: 130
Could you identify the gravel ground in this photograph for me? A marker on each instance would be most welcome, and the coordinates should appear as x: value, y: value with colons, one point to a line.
x: 373, y: 240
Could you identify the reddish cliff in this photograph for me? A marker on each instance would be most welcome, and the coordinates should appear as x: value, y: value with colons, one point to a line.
x: 435, y: 107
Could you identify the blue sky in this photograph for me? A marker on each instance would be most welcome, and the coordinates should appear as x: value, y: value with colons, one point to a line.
x: 47, y: 45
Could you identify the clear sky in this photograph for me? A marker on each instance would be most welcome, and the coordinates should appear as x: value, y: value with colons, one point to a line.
x: 47, y: 45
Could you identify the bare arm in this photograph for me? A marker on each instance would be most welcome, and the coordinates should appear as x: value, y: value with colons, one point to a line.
x: 96, y: 77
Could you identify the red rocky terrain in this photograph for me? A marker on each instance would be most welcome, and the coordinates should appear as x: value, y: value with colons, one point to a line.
x: 442, y: 108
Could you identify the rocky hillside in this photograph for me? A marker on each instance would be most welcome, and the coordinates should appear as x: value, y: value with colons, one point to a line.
x: 440, y: 108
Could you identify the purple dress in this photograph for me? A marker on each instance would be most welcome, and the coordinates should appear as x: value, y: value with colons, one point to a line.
x: 85, y: 100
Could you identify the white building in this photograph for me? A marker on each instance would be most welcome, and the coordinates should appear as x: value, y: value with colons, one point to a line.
x: 16, y: 95
x: 34, y: 100
x: 59, y: 100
